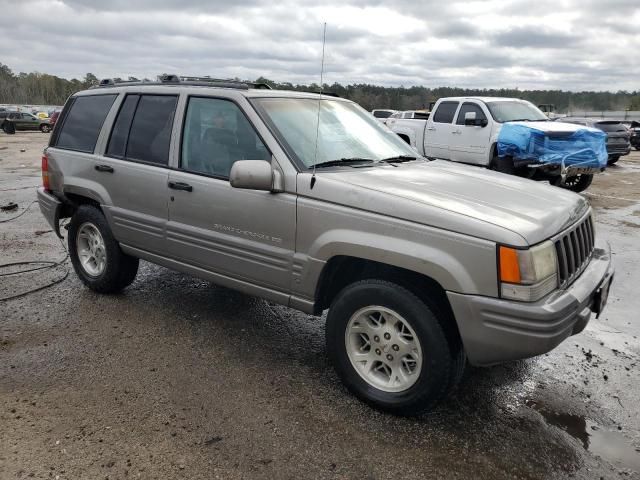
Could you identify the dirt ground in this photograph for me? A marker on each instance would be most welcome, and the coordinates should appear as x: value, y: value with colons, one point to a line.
x: 178, y: 378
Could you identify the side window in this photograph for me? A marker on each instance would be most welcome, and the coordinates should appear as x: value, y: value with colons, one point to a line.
x: 83, y: 123
x: 445, y: 112
x: 120, y: 134
x: 150, y: 132
x: 470, y: 107
x: 216, y: 134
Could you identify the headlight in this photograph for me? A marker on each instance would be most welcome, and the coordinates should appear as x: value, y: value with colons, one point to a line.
x: 528, y: 275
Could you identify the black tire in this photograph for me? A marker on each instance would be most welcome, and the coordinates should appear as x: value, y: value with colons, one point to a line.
x: 577, y: 183
x: 44, y: 128
x: 442, y: 365
x: 120, y: 269
x: 503, y: 165
x: 613, y: 159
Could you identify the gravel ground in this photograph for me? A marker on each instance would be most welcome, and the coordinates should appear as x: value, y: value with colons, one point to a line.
x: 178, y: 378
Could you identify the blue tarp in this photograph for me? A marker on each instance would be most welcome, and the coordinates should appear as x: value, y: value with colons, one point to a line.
x: 585, y: 147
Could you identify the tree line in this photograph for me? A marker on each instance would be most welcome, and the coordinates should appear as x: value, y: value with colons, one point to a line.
x: 44, y: 89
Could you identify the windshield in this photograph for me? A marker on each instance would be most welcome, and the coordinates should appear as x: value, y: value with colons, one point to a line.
x: 514, y: 111
x: 344, y: 130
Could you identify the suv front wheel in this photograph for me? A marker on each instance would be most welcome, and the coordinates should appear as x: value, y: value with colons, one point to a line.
x: 96, y: 255
x: 389, y: 348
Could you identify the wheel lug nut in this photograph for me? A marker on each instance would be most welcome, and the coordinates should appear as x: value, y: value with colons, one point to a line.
x: 376, y: 338
x: 389, y: 357
x: 378, y: 351
x: 387, y: 336
x: 395, y: 347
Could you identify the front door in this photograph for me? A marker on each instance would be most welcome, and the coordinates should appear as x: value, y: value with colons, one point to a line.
x: 470, y: 143
x: 243, y: 234
x: 31, y: 122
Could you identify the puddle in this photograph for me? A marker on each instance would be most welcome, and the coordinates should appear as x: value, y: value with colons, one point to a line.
x: 609, y: 445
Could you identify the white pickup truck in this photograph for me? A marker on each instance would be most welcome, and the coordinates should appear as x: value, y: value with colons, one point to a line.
x: 466, y: 129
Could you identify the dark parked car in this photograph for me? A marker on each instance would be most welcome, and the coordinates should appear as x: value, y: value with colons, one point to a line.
x: 634, y: 132
x: 617, y: 135
x: 23, y: 121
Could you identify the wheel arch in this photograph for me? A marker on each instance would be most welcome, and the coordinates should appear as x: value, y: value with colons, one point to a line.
x: 342, y: 270
x: 405, y: 137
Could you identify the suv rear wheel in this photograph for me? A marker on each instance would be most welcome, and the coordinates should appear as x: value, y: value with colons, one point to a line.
x: 389, y: 349
x: 96, y: 255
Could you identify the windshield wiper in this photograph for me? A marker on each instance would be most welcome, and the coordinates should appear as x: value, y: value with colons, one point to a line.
x: 398, y: 159
x: 343, y: 161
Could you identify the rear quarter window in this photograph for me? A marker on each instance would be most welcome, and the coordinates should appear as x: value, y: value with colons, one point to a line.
x: 83, y: 122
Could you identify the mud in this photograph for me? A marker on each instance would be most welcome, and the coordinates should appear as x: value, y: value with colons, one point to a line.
x: 178, y: 378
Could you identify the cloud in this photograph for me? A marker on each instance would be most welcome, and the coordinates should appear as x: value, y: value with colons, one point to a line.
x: 570, y: 44
x: 536, y: 37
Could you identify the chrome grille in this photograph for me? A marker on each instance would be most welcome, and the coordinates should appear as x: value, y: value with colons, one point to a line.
x: 574, y: 249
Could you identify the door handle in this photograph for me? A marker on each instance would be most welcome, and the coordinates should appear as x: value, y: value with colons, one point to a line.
x: 431, y: 129
x: 181, y: 186
x: 104, y: 168
x: 456, y: 132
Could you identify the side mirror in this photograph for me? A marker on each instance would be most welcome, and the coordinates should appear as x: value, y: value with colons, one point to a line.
x: 470, y: 120
x: 255, y: 175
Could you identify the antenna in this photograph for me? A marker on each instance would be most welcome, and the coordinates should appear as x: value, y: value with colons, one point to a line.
x: 315, y: 154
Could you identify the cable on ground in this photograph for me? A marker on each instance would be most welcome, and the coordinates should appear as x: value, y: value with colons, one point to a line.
x: 44, y: 265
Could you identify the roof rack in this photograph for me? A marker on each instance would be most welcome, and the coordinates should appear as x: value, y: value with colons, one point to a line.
x: 172, y: 79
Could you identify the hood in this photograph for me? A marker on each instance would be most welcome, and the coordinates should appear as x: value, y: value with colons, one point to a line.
x: 555, y: 127
x: 466, y: 199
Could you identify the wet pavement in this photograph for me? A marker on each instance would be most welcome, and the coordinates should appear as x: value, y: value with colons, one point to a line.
x: 178, y: 378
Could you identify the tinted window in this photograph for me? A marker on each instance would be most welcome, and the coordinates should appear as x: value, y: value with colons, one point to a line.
x: 150, y: 132
x: 470, y: 107
x: 120, y: 133
x: 82, y: 124
x: 445, y: 112
x: 216, y: 134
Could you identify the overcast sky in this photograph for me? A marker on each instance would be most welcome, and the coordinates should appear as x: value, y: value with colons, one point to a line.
x: 567, y: 44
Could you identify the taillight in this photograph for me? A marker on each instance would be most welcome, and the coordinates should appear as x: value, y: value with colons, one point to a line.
x: 45, y: 172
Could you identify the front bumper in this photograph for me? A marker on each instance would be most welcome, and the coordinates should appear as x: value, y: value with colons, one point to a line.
x: 50, y: 207
x: 495, y: 330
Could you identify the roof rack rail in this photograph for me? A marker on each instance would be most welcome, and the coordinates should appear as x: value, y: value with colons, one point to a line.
x: 173, y: 79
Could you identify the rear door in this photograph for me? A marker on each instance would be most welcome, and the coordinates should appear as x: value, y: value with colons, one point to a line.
x: 124, y: 165
x: 470, y: 143
x: 242, y: 234
x: 440, y: 129
x: 134, y: 170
